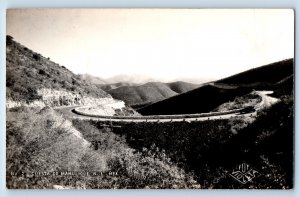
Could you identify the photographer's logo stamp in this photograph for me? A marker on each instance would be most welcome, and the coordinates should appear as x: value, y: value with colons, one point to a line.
x: 243, y: 173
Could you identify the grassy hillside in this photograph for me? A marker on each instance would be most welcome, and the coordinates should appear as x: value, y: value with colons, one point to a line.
x: 28, y: 71
x: 277, y: 76
x: 181, y: 86
x: 147, y: 93
x: 139, y: 95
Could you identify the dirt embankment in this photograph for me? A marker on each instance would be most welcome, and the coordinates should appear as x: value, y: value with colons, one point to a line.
x: 56, y: 98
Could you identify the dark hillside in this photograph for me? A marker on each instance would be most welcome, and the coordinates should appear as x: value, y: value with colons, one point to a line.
x: 268, y: 74
x: 209, y: 148
x: 203, y: 99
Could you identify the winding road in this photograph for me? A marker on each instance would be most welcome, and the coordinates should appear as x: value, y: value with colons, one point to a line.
x: 72, y: 113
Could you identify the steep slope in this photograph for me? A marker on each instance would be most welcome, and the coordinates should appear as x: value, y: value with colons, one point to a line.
x: 147, y: 93
x: 28, y: 72
x: 276, y: 76
x: 284, y: 86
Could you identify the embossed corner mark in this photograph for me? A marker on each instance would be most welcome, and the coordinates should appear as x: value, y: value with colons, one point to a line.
x: 243, y: 173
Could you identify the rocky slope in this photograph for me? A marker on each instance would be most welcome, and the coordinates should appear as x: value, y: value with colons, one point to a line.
x: 34, y: 79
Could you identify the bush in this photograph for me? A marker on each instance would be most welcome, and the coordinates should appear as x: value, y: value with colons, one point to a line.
x: 9, y: 39
x: 136, y: 169
x: 36, y: 57
x: 42, y: 72
x: 40, y: 142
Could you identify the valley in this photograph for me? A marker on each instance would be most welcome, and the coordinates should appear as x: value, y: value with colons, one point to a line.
x: 154, y: 135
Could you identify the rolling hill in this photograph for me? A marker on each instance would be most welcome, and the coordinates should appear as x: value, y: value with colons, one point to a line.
x: 147, y: 93
x: 27, y: 72
x: 107, y: 87
x: 139, y: 95
x: 182, y: 87
x: 276, y: 76
x: 92, y: 79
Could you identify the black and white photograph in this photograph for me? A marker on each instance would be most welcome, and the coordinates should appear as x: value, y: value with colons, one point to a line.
x: 135, y: 98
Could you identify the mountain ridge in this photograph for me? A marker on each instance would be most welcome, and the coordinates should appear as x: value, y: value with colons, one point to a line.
x: 276, y: 76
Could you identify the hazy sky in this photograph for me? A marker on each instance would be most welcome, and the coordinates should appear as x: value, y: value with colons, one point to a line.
x: 163, y: 44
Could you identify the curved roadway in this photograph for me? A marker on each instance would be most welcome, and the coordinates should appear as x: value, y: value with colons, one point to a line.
x: 69, y: 111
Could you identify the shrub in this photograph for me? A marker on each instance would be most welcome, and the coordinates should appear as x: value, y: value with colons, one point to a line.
x: 42, y: 72
x: 40, y: 142
x: 149, y: 168
x: 9, y: 39
x: 36, y: 57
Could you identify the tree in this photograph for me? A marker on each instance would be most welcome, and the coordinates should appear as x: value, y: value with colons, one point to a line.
x: 9, y: 39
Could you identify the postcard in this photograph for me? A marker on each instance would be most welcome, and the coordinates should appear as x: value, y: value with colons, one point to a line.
x: 150, y: 98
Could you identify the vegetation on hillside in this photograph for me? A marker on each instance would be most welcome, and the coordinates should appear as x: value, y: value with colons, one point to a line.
x: 140, y: 94
x: 211, y: 149
x: 43, y: 147
x: 28, y: 71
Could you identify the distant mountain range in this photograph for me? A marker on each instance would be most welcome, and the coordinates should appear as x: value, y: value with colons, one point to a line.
x: 138, y: 95
x: 277, y: 76
x: 137, y: 79
x: 129, y: 79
